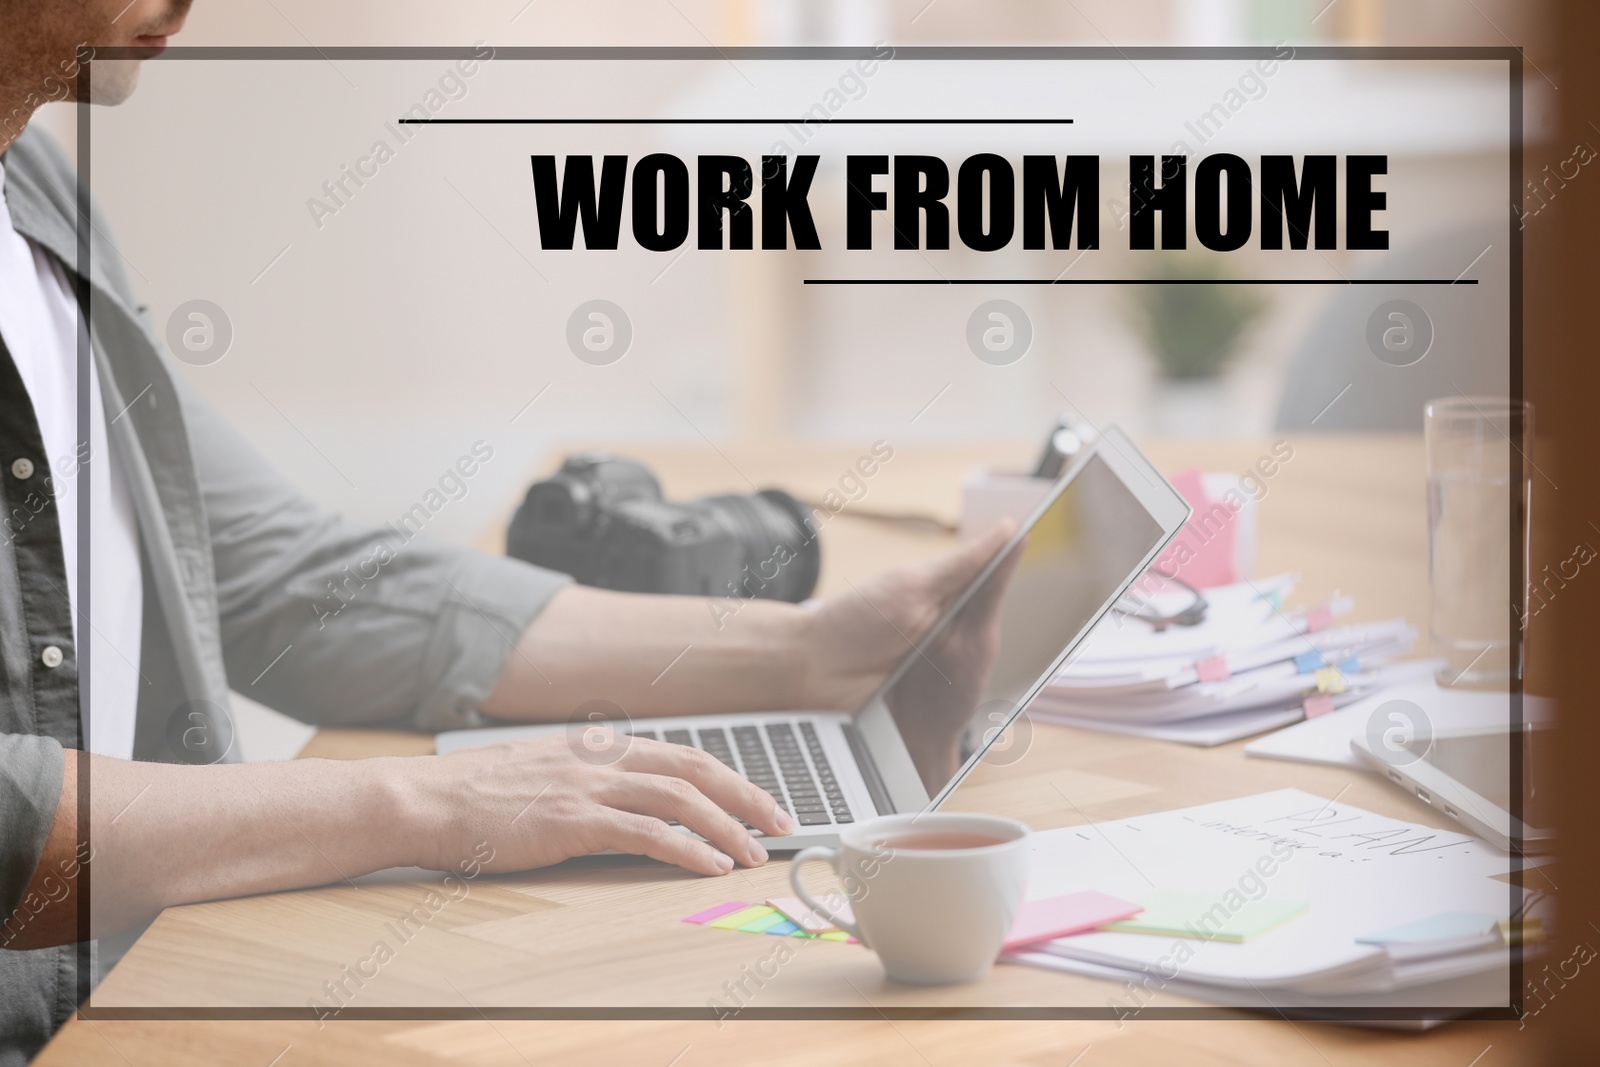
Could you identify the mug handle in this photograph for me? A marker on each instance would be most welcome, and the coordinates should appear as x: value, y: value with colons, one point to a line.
x: 831, y: 856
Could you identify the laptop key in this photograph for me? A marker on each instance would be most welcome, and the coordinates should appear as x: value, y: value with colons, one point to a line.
x: 678, y: 737
x: 813, y: 819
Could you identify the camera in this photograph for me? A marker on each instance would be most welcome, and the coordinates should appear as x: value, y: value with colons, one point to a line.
x: 602, y: 519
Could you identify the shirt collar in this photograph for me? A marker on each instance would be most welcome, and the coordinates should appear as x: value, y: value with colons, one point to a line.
x: 44, y: 209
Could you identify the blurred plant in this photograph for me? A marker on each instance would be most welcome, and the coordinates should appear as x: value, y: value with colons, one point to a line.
x: 1193, y: 318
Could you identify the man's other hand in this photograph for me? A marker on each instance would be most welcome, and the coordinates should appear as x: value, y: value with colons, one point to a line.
x: 857, y: 637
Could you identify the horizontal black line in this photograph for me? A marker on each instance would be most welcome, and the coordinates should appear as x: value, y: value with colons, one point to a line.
x: 1141, y: 281
x: 650, y: 1013
x: 937, y: 53
x: 736, y: 122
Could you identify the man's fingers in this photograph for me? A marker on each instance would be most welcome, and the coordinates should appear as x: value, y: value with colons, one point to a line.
x: 987, y: 600
x: 724, y: 787
x: 954, y: 571
x: 642, y: 835
x: 674, y: 799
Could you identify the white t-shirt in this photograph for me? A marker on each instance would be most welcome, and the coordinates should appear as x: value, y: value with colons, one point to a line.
x: 39, y: 321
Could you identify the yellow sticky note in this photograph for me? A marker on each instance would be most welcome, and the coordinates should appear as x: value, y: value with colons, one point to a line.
x: 1329, y: 680
x: 739, y: 918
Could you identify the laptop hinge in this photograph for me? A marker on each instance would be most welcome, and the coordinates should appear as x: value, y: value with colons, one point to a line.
x: 869, y: 770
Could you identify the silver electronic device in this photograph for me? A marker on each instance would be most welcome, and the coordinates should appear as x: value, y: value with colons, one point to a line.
x: 1466, y: 773
x: 1097, y: 528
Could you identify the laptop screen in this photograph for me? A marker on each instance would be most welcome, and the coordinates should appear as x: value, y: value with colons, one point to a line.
x: 1050, y: 587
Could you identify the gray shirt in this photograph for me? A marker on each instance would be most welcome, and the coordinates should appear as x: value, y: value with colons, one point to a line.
x: 247, y: 562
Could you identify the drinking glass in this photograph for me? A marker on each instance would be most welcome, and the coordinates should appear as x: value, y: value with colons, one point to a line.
x: 1479, y: 494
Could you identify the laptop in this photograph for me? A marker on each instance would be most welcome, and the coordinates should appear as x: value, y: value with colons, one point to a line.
x: 1097, y: 528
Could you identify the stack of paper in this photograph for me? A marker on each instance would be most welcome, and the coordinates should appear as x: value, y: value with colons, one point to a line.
x: 1250, y: 666
x: 1284, y: 899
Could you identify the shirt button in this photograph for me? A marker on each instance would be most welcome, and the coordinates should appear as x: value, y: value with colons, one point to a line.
x: 22, y: 468
x: 51, y: 657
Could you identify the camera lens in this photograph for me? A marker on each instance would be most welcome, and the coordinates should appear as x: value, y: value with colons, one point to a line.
x: 781, y: 555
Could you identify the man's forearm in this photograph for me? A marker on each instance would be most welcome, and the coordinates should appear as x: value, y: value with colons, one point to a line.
x: 165, y: 834
x: 655, y: 655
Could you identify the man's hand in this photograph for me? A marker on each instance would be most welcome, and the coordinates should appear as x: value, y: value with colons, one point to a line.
x: 934, y: 701
x: 540, y: 802
x: 856, y: 638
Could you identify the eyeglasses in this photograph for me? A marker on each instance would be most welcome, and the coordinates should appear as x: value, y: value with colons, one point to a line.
x: 1192, y: 614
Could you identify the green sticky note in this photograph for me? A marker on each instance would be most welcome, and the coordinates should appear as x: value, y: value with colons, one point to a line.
x: 760, y: 924
x: 1228, y: 916
x: 739, y: 918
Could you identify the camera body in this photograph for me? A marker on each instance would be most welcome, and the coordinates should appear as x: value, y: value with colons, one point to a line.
x: 602, y: 519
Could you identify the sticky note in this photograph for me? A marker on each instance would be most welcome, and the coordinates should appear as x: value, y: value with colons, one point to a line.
x: 1208, y: 916
x: 758, y: 919
x: 1043, y: 920
x: 1320, y: 704
x: 1350, y: 665
x: 700, y: 918
x: 1446, y: 926
x: 1306, y: 662
x: 1329, y: 680
x: 737, y: 919
x: 1213, y: 669
x: 807, y: 919
x: 1318, y: 618
x: 761, y: 924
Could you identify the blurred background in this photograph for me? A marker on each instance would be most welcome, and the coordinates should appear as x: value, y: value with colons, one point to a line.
x: 374, y: 344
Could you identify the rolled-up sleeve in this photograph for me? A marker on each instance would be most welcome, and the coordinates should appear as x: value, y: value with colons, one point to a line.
x: 30, y: 789
x: 339, y: 622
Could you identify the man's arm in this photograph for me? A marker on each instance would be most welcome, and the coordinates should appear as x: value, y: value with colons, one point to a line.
x: 672, y: 655
x: 165, y: 834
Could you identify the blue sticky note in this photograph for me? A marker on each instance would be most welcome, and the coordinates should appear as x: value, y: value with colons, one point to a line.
x: 1306, y: 662
x: 783, y: 929
x: 1446, y: 926
x: 1351, y: 665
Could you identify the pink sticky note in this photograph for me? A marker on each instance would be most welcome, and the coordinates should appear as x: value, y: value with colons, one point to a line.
x: 1213, y: 669
x: 810, y: 921
x: 1203, y: 552
x: 1042, y: 920
x: 700, y: 918
x: 1317, y: 705
x: 1318, y: 618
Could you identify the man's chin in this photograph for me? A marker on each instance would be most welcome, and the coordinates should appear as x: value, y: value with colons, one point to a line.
x: 109, y: 82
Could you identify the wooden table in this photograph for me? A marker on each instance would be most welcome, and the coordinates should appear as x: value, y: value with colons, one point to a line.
x: 1347, y: 513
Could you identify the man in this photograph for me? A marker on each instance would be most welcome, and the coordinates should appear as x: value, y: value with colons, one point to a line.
x: 201, y: 559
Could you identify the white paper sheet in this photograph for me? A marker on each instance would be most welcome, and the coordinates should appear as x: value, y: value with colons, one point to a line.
x: 1359, y: 872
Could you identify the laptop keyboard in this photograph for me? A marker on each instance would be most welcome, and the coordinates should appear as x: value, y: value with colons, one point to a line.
x: 789, y: 764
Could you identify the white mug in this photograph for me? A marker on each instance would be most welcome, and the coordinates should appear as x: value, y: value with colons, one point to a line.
x: 932, y: 914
